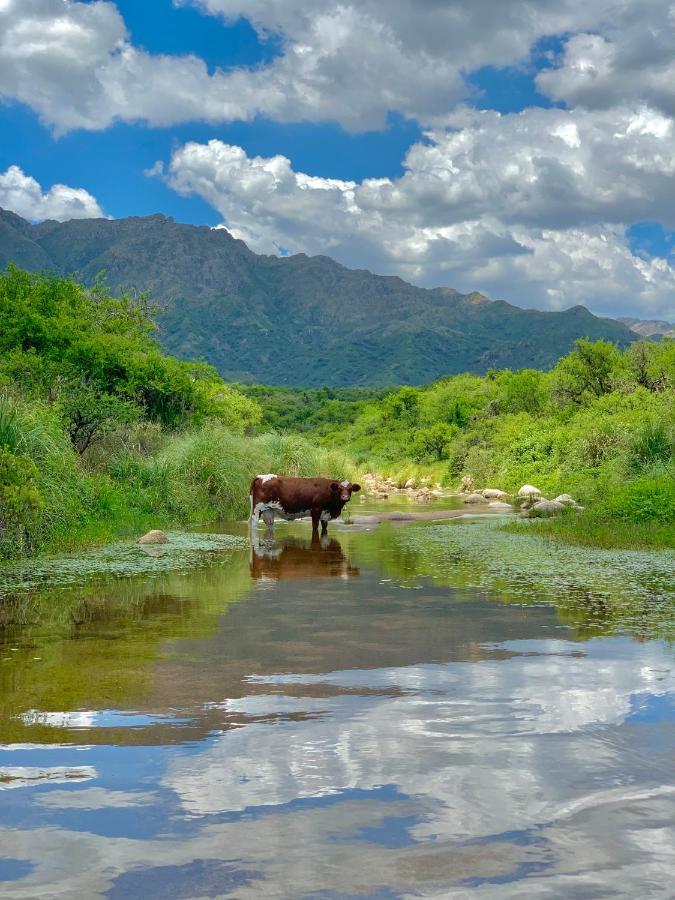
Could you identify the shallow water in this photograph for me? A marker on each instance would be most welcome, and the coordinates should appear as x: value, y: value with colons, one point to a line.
x: 429, y: 709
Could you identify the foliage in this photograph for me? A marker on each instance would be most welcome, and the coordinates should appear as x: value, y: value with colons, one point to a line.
x: 600, y: 422
x: 19, y: 497
x: 96, y: 354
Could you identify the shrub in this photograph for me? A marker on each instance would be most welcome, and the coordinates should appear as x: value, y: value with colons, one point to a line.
x: 643, y: 500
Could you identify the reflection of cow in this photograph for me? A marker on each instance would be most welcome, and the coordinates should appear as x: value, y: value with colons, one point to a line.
x: 293, y: 559
x: 293, y: 498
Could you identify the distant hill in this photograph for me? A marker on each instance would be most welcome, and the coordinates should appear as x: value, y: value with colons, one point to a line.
x: 297, y: 320
x: 649, y: 327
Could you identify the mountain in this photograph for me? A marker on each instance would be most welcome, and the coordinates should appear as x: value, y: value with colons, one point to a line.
x: 297, y: 320
x: 649, y: 327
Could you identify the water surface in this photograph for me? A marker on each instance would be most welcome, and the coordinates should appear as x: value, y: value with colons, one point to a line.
x: 429, y: 709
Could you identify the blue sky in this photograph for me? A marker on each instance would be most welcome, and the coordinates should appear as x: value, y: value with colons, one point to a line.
x: 523, y: 157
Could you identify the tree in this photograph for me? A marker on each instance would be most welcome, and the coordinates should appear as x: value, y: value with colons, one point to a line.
x: 588, y: 371
x: 433, y: 442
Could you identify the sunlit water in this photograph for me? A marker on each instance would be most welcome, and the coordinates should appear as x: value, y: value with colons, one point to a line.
x: 430, y: 709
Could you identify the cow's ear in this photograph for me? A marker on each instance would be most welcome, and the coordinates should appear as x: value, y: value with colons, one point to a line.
x: 334, y: 486
x: 355, y: 488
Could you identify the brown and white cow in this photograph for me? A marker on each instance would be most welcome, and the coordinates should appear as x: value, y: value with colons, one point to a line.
x: 292, y: 498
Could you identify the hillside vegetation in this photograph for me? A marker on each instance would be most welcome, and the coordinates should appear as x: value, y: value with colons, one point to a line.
x: 299, y: 320
x: 600, y: 426
x: 101, y: 432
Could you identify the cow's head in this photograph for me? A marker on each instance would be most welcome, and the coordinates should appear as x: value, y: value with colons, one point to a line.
x: 343, y: 490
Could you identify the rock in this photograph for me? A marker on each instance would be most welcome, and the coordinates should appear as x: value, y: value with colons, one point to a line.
x: 545, y: 508
x: 466, y: 485
x: 528, y: 490
x: 474, y: 498
x: 497, y: 504
x: 566, y: 499
x: 359, y: 519
x: 410, y: 483
x: 493, y: 494
x: 423, y: 496
x: 153, y: 537
x: 362, y: 498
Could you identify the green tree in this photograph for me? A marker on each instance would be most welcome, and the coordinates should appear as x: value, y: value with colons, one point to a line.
x: 433, y: 443
x: 588, y: 371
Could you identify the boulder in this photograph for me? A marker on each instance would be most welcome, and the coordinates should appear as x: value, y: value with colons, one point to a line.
x: 528, y: 490
x: 545, y: 508
x: 493, y: 494
x: 153, y: 537
x: 566, y: 500
x: 410, y: 483
x: 474, y: 498
x: 498, y: 505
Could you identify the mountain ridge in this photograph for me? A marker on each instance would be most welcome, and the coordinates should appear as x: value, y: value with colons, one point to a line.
x: 297, y: 320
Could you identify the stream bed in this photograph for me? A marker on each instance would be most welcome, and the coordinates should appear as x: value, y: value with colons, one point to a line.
x: 425, y: 709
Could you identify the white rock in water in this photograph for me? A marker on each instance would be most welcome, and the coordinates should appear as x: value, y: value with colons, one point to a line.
x: 528, y: 490
x: 546, y: 508
x: 410, y: 483
x: 497, y: 504
x: 566, y: 499
x: 153, y: 537
x: 474, y: 498
x: 493, y: 494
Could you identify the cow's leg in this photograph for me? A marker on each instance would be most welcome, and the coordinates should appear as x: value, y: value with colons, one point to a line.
x: 316, y: 518
x: 268, y: 519
x: 325, y: 519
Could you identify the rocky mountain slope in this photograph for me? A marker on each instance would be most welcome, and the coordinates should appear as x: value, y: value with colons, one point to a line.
x: 649, y: 327
x: 296, y: 320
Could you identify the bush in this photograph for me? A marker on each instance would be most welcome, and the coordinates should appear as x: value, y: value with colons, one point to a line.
x: 645, y: 500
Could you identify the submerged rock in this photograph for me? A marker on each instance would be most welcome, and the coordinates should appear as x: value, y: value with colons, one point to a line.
x: 153, y: 537
x: 498, y: 505
x: 474, y: 498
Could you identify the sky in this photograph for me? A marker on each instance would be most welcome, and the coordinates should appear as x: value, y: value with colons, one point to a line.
x: 524, y: 149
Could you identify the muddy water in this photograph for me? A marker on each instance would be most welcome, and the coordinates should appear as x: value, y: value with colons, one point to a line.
x: 426, y: 709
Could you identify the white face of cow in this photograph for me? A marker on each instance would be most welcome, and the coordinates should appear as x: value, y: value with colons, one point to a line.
x: 344, y: 489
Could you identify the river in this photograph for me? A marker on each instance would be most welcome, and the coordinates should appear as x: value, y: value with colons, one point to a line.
x: 435, y: 709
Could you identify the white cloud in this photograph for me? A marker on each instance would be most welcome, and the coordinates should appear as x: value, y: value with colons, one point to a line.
x: 530, y: 207
x: 354, y: 63
x: 629, y: 60
x: 23, y: 195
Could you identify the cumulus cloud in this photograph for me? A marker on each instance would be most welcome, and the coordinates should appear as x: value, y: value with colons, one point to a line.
x: 530, y: 207
x: 23, y: 195
x: 629, y: 61
x: 354, y: 63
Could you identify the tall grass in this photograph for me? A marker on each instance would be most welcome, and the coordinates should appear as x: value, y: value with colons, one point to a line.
x: 132, y: 484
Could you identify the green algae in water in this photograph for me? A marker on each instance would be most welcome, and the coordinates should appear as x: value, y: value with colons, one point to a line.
x: 119, y: 560
x: 627, y: 590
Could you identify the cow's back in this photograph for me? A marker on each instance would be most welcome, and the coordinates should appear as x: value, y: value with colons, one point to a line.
x: 293, y: 494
